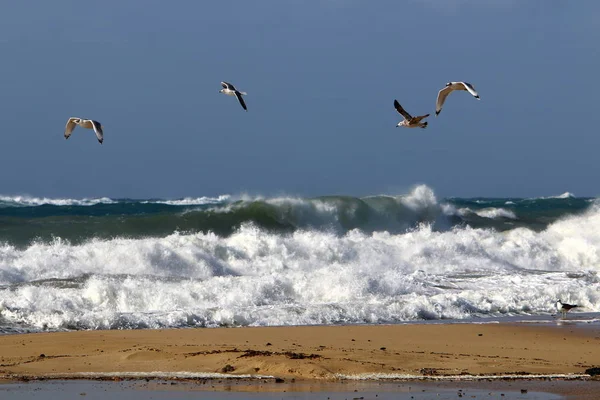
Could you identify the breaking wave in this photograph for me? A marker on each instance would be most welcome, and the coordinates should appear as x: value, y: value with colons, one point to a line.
x: 394, y: 259
x: 24, y: 221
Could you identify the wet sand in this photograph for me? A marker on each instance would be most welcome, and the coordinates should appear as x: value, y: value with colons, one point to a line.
x: 305, y: 353
x: 236, y: 390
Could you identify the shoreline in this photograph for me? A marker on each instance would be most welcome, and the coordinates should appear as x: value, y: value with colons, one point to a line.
x: 323, y: 353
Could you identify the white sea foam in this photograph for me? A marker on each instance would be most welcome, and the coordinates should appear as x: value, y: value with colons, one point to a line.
x: 345, y: 377
x: 163, y: 375
x: 24, y: 200
x: 193, y: 201
x: 255, y: 277
x: 565, y: 195
x: 38, y: 201
x: 420, y: 197
x: 449, y: 209
x: 495, y: 213
x: 491, y: 212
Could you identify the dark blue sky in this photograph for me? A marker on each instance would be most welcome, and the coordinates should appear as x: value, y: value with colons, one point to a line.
x: 321, y: 77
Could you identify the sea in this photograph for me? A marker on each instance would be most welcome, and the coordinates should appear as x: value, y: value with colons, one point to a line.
x: 104, y: 263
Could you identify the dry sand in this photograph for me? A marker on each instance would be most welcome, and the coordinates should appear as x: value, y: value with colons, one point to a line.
x: 318, y: 352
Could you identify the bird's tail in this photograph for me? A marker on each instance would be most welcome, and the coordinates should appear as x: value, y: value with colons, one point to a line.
x: 424, y: 125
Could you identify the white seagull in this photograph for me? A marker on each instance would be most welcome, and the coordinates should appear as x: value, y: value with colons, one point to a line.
x: 84, y: 123
x: 449, y: 88
x: 564, y: 308
x: 410, y: 121
x: 230, y: 90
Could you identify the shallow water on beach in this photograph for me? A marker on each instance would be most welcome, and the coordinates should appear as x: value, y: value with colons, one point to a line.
x: 161, y: 390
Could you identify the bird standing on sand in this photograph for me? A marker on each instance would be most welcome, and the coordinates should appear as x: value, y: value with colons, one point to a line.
x: 409, y: 121
x: 450, y: 87
x: 230, y: 90
x: 564, y: 308
x: 84, y: 123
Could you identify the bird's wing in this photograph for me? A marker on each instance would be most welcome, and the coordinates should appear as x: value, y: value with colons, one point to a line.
x: 98, y: 129
x: 419, y: 118
x: 401, y: 110
x: 441, y: 98
x: 470, y: 89
x: 241, y: 100
x: 69, y: 128
x: 227, y: 85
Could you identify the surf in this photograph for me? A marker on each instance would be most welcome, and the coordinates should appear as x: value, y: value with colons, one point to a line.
x: 260, y: 277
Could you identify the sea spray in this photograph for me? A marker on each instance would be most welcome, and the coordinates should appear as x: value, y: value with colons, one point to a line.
x: 312, y: 275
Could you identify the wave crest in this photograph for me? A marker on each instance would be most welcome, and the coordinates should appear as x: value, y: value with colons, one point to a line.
x: 28, y: 201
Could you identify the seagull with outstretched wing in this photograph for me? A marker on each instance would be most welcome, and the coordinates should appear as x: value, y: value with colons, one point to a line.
x: 230, y: 90
x: 84, y: 123
x: 409, y: 121
x: 449, y: 88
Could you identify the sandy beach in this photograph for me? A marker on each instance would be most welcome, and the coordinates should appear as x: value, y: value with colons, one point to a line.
x: 313, y: 353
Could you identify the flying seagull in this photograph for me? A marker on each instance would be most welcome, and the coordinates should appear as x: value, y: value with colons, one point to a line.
x: 230, y: 90
x: 409, y: 121
x: 564, y: 308
x: 449, y: 88
x: 84, y: 123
